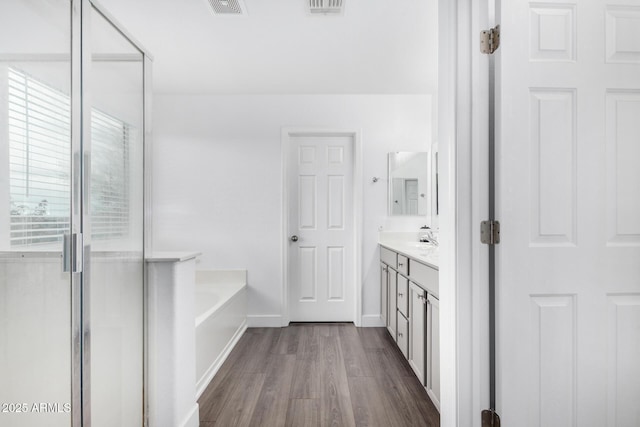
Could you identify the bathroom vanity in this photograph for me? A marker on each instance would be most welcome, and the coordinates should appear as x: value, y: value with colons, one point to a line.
x: 410, y: 306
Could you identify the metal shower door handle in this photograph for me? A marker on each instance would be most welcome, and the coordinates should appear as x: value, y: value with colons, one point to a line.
x: 72, y: 253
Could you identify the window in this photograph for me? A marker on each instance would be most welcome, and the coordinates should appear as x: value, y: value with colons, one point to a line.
x: 40, y: 164
x: 109, y: 176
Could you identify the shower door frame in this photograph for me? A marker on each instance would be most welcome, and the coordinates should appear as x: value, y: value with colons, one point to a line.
x: 80, y: 220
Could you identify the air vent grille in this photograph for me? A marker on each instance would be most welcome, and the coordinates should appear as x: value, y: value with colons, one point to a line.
x: 227, y: 7
x: 326, y: 6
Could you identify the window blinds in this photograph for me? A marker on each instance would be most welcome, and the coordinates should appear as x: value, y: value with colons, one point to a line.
x: 109, y: 176
x: 39, y: 160
x: 39, y: 165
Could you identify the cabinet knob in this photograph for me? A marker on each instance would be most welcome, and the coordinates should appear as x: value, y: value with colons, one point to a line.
x: 400, y: 264
x: 400, y: 295
x: 399, y: 334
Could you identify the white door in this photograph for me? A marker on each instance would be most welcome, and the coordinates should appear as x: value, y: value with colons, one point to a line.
x: 321, y: 255
x: 411, y: 196
x: 568, y: 199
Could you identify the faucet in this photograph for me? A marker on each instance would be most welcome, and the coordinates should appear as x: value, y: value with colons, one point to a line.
x: 428, y: 236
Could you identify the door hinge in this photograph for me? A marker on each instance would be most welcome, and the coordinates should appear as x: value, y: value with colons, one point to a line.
x: 490, y: 40
x: 490, y: 232
x: 490, y: 418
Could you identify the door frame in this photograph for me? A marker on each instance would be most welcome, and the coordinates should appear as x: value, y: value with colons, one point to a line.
x: 287, y: 134
x: 463, y: 96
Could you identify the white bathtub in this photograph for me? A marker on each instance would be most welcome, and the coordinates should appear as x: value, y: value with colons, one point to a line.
x: 220, y: 319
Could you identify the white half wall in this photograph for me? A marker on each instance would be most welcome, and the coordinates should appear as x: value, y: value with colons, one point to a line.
x: 217, y: 178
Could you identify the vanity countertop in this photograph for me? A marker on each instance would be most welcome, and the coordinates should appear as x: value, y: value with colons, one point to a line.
x: 171, y: 256
x: 407, y: 244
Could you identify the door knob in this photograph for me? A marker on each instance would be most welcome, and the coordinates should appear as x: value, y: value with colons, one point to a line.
x: 294, y: 238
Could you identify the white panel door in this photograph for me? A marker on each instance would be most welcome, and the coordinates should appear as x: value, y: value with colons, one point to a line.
x: 411, y: 196
x: 568, y: 199
x: 321, y: 259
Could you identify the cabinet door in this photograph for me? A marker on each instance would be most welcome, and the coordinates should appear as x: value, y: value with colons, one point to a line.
x: 417, y: 330
x: 392, y: 302
x: 403, y: 295
x: 384, y: 293
x: 403, y: 335
x: 433, y: 349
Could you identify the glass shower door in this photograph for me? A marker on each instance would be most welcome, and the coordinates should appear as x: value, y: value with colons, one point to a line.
x: 71, y: 165
x: 115, y: 225
x: 36, y: 351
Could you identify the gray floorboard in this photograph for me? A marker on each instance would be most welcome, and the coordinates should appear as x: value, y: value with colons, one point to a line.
x: 316, y: 375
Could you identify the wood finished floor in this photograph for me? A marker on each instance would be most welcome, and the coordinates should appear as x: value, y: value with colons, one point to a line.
x: 316, y: 375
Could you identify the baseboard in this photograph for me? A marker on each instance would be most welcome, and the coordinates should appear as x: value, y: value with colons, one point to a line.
x: 275, y: 321
x: 202, y: 384
x: 193, y: 419
x: 371, y: 321
x: 265, y: 321
x: 434, y: 399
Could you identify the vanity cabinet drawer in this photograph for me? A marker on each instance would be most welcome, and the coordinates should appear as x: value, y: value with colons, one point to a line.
x: 403, y: 334
x: 425, y: 276
x: 403, y: 265
x: 403, y: 295
x: 389, y: 257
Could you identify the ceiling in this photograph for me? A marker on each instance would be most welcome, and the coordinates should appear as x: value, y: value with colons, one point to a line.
x: 376, y: 46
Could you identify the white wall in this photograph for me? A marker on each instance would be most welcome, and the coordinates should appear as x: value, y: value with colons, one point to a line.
x: 217, y: 184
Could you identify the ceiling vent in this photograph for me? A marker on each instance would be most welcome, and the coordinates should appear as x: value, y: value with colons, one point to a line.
x: 228, y: 7
x: 326, y: 7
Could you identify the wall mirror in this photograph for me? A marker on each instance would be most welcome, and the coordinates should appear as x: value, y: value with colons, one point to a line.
x: 408, y: 183
x: 413, y: 183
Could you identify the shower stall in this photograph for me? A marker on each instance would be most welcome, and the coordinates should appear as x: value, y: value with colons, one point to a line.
x: 73, y: 102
